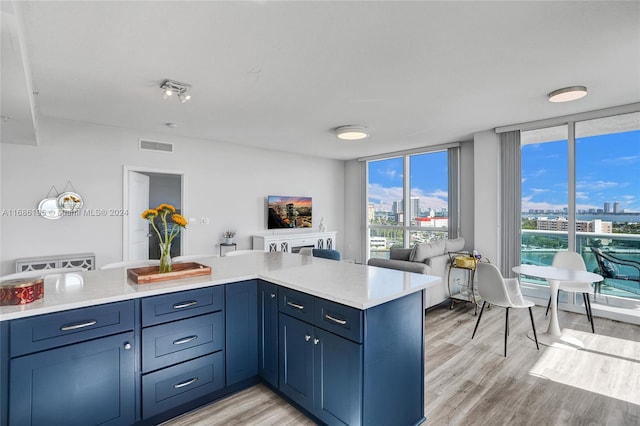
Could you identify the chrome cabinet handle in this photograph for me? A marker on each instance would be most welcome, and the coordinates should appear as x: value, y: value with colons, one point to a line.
x: 127, y: 345
x: 184, y: 340
x: 307, y: 338
x: 316, y: 341
x: 186, y: 383
x: 273, y: 295
x: 185, y: 304
x: 79, y: 325
x: 295, y: 305
x: 336, y: 320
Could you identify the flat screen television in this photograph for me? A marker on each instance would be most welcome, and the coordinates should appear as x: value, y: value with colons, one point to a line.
x: 289, y: 212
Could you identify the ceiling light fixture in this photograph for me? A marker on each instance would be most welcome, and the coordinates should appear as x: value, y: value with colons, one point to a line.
x: 351, y: 133
x: 169, y: 87
x: 567, y: 94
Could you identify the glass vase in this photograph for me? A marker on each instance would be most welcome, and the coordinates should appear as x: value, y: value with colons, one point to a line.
x: 165, y: 257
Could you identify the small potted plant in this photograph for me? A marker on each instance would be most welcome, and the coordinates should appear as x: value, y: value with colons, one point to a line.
x: 228, y: 236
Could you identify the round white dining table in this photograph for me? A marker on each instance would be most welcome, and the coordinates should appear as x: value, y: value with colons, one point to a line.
x: 554, y: 275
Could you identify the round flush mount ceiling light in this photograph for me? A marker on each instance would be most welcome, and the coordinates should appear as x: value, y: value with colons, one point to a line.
x: 351, y: 133
x: 567, y: 94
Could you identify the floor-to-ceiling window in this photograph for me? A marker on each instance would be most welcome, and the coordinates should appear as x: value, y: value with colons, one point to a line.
x: 407, y: 201
x: 581, y: 189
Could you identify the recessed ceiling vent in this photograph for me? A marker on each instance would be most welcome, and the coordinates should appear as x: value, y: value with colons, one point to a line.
x: 147, y: 145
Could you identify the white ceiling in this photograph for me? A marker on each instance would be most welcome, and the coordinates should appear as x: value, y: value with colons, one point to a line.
x: 283, y: 75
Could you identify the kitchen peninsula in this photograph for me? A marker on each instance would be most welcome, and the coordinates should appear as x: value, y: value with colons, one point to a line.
x: 342, y: 342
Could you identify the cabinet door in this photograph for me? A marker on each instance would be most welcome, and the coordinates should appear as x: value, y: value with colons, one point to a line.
x: 296, y: 360
x: 83, y: 384
x: 337, y: 379
x: 268, y: 332
x: 241, y: 312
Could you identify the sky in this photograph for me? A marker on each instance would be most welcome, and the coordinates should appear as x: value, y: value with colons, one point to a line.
x: 428, y: 176
x: 607, y: 170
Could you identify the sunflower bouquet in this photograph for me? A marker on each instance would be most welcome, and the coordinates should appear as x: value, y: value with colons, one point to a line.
x: 165, y: 212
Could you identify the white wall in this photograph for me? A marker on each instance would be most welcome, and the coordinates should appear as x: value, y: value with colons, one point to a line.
x: 486, y: 164
x: 226, y: 183
x: 354, y: 216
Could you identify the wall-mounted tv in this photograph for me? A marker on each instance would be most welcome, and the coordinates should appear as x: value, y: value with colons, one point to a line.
x: 288, y: 212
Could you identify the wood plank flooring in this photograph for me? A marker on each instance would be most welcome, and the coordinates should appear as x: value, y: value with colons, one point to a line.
x: 470, y: 382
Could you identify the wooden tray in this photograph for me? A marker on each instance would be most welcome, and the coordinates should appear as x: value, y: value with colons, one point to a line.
x: 151, y: 274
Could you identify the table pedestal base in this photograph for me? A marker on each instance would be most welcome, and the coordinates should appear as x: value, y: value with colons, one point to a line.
x: 561, y: 341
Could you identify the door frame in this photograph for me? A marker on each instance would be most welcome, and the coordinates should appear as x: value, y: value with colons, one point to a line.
x: 125, y: 202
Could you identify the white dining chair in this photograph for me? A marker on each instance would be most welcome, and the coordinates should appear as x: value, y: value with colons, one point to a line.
x: 573, y: 260
x: 496, y: 290
x: 306, y: 251
x: 131, y: 264
x: 190, y: 257
x: 39, y: 273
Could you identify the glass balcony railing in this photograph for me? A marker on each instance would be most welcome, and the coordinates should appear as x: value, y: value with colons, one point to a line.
x: 539, y: 247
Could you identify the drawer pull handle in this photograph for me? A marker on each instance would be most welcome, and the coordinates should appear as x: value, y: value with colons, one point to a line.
x: 184, y: 340
x: 336, y: 320
x: 79, y: 325
x: 273, y: 295
x: 295, y: 305
x: 187, y: 383
x: 185, y: 304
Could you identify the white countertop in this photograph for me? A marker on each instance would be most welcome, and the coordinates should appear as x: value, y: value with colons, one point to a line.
x: 358, y: 286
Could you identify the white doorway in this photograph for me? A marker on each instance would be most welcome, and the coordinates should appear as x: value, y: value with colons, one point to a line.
x: 145, y: 188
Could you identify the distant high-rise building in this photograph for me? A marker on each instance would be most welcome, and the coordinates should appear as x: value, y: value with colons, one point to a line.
x: 607, y: 207
x: 616, y: 207
x: 397, y: 207
x: 415, y: 208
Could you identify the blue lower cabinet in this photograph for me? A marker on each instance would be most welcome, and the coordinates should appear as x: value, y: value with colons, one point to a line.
x: 86, y: 383
x: 241, y: 314
x: 321, y: 371
x: 173, y: 386
x: 296, y: 360
x: 168, y: 344
x: 268, y: 332
x: 338, y: 379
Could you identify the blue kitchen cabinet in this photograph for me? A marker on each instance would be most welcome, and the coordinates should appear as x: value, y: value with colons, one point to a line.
x: 320, y: 370
x: 241, y: 312
x: 346, y: 366
x: 83, y: 377
x: 268, y: 332
x: 296, y: 360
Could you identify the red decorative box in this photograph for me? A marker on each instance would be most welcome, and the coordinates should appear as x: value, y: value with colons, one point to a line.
x: 21, y: 291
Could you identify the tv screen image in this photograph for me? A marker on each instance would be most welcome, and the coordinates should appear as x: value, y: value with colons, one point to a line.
x: 289, y: 212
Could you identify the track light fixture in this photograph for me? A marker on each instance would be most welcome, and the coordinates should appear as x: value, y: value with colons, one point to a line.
x: 171, y: 87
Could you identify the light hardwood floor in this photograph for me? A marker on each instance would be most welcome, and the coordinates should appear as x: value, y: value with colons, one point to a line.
x: 470, y: 382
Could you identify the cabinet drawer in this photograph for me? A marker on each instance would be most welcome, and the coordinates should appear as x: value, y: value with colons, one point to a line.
x: 342, y: 320
x: 296, y: 304
x: 169, y: 344
x: 175, y: 306
x: 52, y: 330
x: 181, y: 383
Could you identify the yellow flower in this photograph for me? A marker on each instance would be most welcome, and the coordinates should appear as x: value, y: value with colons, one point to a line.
x: 167, y: 208
x: 179, y: 220
x: 149, y: 214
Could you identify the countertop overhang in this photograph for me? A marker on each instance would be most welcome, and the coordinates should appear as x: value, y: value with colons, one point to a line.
x: 359, y: 286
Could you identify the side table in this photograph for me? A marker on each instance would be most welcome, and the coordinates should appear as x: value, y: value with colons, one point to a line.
x: 234, y: 245
x: 468, y: 262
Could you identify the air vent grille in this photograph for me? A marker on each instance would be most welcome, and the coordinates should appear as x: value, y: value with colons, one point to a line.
x: 147, y: 145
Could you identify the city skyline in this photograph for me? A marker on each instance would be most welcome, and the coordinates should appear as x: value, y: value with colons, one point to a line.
x: 429, y: 181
